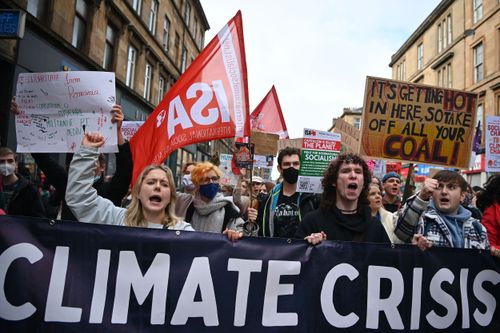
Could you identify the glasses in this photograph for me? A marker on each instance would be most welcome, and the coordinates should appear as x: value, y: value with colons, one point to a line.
x: 214, y: 179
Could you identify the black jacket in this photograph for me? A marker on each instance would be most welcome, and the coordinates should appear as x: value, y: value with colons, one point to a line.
x: 25, y: 201
x: 114, y: 190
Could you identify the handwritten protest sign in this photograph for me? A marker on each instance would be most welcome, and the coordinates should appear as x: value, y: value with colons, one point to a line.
x: 417, y: 123
x: 318, y: 149
x: 129, y: 128
x: 492, y: 146
x: 56, y: 108
x: 228, y: 178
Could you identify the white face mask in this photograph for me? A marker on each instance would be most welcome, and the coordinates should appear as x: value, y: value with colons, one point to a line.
x: 7, y: 169
x: 187, y: 182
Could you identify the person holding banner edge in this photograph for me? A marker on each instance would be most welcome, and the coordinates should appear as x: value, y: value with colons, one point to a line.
x: 210, y: 211
x: 435, y: 217
x: 153, y: 195
x: 344, y: 213
x: 284, y: 208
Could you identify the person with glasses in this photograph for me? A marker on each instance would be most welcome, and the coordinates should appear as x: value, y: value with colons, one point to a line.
x: 210, y: 211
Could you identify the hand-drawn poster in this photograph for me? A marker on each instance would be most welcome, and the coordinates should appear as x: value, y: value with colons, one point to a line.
x: 492, y: 144
x: 56, y: 108
x: 417, y: 123
x: 129, y: 128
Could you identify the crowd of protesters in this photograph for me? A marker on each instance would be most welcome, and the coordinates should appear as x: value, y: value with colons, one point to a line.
x: 354, y: 205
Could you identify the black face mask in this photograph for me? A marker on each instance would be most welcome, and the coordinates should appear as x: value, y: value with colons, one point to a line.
x: 290, y: 175
x: 261, y: 196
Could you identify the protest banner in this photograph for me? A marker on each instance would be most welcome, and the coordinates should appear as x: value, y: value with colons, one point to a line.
x: 56, y: 108
x: 268, y: 117
x: 492, y: 144
x: 129, y: 128
x: 264, y: 143
x: 318, y: 149
x: 350, y: 135
x: 208, y: 102
x: 83, y: 277
x: 417, y: 123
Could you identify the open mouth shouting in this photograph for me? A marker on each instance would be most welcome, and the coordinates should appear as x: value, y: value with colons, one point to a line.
x: 155, y: 199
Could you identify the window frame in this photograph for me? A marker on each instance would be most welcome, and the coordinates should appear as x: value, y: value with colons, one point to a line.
x: 153, y: 16
x: 476, y: 64
x: 148, y: 78
x: 131, y: 66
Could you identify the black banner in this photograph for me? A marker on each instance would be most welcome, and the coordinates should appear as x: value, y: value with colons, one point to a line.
x: 80, y: 277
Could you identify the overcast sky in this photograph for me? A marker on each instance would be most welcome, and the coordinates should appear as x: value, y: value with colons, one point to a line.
x: 317, y: 53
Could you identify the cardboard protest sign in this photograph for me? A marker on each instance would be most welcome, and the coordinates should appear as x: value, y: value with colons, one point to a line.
x: 417, y: 123
x: 268, y: 117
x: 208, y: 102
x: 492, y: 146
x: 263, y: 166
x: 350, y: 135
x: 293, y: 143
x: 129, y: 128
x: 318, y: 149
x: 56, y: 108
x: 264, y: 143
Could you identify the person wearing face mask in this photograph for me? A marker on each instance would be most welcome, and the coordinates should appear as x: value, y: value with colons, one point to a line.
x: 210, y: 211
x: 283, y: 208
x: 17, y: 195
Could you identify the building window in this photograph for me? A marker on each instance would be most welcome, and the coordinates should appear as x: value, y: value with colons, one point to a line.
x: 161, y: 89
x: 37, y: 8
x: 187, y: 12
x: 109, y: 48
x: 449, y: 34
x: 147, y: 81
x: 449, y: 77
x: 80, y: 24
x: 420, y: 56
x: 152, y: 16
x: 166, y: 26
x: 132, y: 53
x: 357, y: 122
x: 177, y: 40
x: 137, y: 4
x: 195, y: 28
x: 440, y: 37
x: 478, y: 63
x: 183, y: 59
x: 478, y: 10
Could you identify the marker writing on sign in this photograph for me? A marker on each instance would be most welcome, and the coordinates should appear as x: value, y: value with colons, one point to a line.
x: 83, y: 126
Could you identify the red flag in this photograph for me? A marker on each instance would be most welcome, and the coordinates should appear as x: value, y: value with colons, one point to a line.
x: 267, y: 116
x: 208, y: 102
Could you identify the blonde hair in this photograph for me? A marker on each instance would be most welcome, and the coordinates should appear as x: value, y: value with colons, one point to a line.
x: 201, y: 169
x: 134, y: 216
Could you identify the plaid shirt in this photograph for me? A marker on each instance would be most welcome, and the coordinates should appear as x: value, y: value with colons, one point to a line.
x: 418, y: 217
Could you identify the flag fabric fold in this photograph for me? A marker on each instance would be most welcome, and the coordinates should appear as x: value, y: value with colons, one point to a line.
x: 268, y: 117
x: 208, y: 102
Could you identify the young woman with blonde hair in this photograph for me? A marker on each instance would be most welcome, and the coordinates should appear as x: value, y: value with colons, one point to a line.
x: 153, y: 195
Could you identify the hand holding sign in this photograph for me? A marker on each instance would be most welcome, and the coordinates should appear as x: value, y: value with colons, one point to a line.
x: 93, y: 140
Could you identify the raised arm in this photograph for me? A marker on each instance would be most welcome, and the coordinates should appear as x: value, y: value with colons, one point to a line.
x: 81, y: 197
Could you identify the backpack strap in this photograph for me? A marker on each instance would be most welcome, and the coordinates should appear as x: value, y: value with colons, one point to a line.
x: 189, y: 213
x: 229, y: 214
